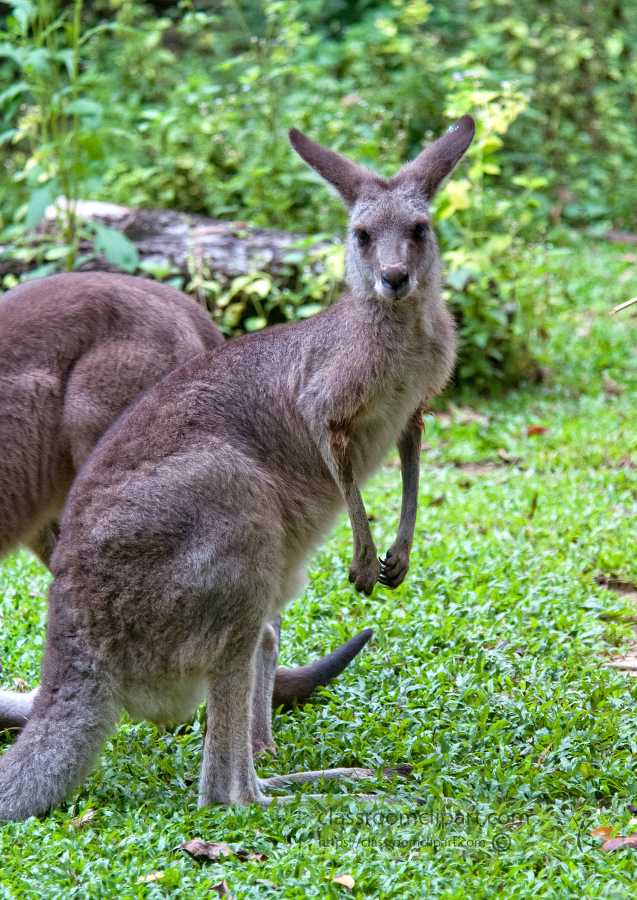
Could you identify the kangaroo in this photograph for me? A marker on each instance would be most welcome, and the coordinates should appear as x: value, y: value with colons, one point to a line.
x: 75, y: 351
x: 189, y: 527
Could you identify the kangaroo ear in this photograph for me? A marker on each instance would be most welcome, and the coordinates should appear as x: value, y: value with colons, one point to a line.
x: 433, y: 165
x: 337, y: 170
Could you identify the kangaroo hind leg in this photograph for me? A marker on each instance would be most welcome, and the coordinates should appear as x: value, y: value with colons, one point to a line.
x: 227, y: 767
x: 266, y: 671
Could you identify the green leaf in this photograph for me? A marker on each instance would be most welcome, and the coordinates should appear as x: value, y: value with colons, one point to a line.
x: 87, y: 109
x: 459, y: 278
x: 56, y: 253
x: 7, y: 51
x: 40, y: 272
x: 255, y: 323
x: 8, y: 135
x: 116, y: 247
x: 23, y: 12
x: 20, y: 87
x: 38, y: 60
x: 308, y: 309
x: 261, y: 287
x: 38, y: 202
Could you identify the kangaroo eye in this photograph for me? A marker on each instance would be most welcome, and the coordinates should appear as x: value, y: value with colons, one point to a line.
x: 420, y: 231
x: 362, y: 237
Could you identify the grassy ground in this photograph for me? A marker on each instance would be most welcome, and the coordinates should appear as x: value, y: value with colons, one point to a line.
x: 484, y: 671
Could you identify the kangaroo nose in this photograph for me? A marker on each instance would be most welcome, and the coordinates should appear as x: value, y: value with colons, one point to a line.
x: 395, y: 278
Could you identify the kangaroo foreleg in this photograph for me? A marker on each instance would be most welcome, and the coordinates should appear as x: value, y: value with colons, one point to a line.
x: 365, y: 567
x: 396, y: 563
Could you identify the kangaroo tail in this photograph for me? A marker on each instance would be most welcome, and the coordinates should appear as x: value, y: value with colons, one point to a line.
x: 67, y: 725
x: 15, y: 709
x: 297, y: 684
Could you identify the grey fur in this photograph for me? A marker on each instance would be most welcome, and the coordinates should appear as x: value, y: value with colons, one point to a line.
x: 190, y: 525
x: 75, y: 350
x: 15, y: 709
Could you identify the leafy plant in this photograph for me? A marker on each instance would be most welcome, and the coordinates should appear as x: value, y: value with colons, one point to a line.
x: 62, y: 124
x: 193, y: 105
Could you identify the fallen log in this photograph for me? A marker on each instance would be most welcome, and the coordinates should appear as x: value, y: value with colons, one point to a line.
x: 177, y: 243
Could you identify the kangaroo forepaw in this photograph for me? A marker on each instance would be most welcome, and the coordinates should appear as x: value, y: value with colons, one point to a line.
x: 364, y: 575
x: 394, y: 567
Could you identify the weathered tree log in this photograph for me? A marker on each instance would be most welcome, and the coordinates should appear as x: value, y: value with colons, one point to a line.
x: 177, y: 242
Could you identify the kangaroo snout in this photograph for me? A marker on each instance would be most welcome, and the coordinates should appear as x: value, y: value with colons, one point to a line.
x: 395, y: 278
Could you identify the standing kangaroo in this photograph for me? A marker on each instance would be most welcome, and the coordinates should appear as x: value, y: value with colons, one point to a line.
x: 75, y: 351
x: 191, y: 523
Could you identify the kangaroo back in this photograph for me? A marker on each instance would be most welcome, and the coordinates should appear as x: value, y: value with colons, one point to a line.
x: 75, y: 350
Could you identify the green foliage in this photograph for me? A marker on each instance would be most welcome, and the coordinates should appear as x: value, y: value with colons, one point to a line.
x: 63, y: 127
x: 483, y: 673
x: 190, y: 110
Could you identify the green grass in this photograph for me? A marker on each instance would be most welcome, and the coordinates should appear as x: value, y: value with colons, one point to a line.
x: 484, y: 673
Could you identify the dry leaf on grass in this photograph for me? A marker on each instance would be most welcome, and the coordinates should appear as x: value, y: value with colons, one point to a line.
x: 604, y: 832
x: 610, y: 387
x: 154, y: 876
x: 542, y: 755
x: 460, y: 415
x: 465, y: 415
x: 614, y: 583
x: 250, y: 854
x: 215, y: 851
x: 211, y: 850
x: 80, y: 821
x: 536, y: 429
x: 221, y: 890
x: 620, y: 843
x: 346, y: 880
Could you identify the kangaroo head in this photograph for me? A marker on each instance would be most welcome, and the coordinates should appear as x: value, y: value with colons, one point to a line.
x: 391, y: 247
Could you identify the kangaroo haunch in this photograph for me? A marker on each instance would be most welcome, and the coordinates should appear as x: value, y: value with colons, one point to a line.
x: 190, y: 525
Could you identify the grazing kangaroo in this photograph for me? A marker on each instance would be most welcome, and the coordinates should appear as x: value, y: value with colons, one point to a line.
x: 191, y: 523
x: 75, y: 350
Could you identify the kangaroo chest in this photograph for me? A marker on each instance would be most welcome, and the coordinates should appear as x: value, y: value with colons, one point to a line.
x: 416, y: 376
